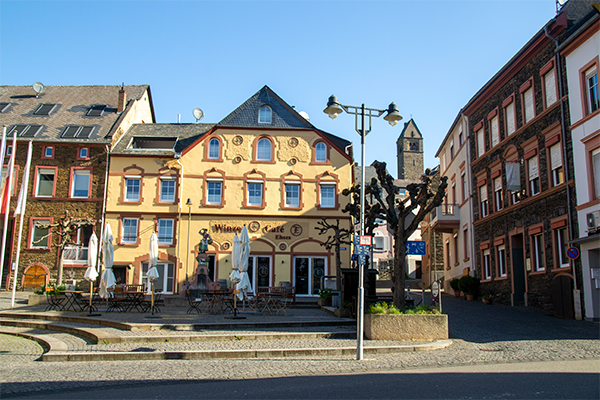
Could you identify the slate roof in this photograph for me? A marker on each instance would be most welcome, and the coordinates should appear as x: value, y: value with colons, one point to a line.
x: 283, y: 116
x: 186, y: 135
x: 72, y: 105
x: 406, y: 124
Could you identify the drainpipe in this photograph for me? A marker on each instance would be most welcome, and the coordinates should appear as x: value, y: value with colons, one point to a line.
x: 470, y: 197
x: 103, y: 215
x: 177, y: 156
x: 576, y: 297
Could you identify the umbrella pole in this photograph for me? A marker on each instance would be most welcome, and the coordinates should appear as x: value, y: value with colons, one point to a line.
x: 91, y: 310
x: 152, y: 297
x: 235, y: 300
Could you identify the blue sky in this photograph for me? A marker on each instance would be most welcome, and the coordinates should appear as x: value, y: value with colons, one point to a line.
x: 430, y: 57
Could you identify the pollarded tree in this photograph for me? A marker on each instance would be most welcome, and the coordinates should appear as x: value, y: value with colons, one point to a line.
x: 340, y: 236
x: 402, y: 215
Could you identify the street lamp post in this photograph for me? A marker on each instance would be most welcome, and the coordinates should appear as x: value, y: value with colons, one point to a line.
x: 187, y: 261
x: 393, y: 116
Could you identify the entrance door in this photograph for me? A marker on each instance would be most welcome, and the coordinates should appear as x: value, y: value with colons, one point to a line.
x: 259, y: 271
x: 518, y: 270
x: 307, y: 275
x: 165, y: 279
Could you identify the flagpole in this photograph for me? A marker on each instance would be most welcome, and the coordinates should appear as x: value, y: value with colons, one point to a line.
x: 2, y: 150
x: 21, y: 204
x: 9, y: 174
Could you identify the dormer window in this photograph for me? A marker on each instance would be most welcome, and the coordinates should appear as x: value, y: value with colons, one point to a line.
x: 26, y: 130
x: 3, y: 107
x: 77, y: 132
x: 264, y: 115
x: 96, y: 111
x: 44, y: 109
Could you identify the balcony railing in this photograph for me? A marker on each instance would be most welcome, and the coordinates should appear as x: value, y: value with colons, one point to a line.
x: 75, y: 255
x: 445, y: 217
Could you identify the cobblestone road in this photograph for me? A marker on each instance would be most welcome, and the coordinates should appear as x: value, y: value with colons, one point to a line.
x: 481, y: 334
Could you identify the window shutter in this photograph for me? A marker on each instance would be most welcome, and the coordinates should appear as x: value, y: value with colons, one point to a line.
x: 555, y: 156
x: 550, y: 82
x: 528, y: 105
x: 480, y: 143
x: 498, y: 184
x: 483, y: 193
x: 510, y: 118
x: 533, y: 168
x: 495, y: 134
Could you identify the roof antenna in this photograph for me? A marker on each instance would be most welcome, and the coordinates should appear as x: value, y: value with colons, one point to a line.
x: 39, y: 88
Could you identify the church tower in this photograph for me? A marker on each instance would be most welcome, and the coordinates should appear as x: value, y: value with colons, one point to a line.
x: 410, y: 152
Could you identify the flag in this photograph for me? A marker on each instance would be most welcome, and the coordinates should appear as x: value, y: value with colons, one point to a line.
x: 7, y: 187
x: 513, y: 176
x: 23, y: 192
x: 2, y: 150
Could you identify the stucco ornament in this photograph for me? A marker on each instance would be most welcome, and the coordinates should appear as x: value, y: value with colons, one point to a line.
x: 292, y: 147
x: 238, y: 146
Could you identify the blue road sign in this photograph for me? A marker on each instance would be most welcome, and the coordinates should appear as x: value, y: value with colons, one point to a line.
x: 362, y: 250
x: 356, y: 240
x: 362, y: 259
x: 416, y: 247
x: 573, y: 253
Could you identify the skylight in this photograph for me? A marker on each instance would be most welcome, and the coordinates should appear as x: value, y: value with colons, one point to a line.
x: 3, y: 107
x: 156, y: 143
x: 26, y: 130
x: 96, y: 111
x: 78, y: 132
x: 44, y: 109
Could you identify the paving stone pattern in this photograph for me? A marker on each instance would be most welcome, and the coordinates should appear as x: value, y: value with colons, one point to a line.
x: 480, y: 334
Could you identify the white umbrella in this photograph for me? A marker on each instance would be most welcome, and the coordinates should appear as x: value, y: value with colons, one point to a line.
x: 152, y: 273
x: 245, y: 285
x: 108, y: 277
x: 234, y: 276
x: 90, y: 273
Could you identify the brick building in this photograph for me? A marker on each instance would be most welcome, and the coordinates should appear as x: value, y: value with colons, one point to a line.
x: 70, y: 127
x: 522, y: 168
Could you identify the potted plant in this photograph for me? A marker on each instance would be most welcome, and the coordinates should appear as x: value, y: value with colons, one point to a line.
x: 344, y: 311
x: 325, y: 297
x: 454, y: 286
x: 385, y: 322
x: 469, y: 285
x: 487, y: 299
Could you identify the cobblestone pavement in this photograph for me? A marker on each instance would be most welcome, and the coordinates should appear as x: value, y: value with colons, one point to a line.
x: 480, y: 334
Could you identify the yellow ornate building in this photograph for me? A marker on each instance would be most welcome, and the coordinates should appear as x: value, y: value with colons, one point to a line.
x: 264, y: 166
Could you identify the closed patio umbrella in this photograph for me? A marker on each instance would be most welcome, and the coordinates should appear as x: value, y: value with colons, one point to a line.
x: 108, y: 277
x: 245, y: 286
x: 152, y: 273
x: 91, y: 273
x: 234, y: 276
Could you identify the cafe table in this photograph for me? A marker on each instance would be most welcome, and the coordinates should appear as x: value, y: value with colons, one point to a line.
x: 73, y: 300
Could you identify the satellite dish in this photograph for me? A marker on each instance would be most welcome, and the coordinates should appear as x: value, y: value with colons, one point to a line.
x: 198, y: 114
x: 561, y: 2
x: 39, y: 88
x: 305, y: 115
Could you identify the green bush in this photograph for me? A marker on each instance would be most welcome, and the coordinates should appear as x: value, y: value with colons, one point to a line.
x: 325, y: 293
x: 468, y: 284
x: 386, y: 308
x: 454, y: 284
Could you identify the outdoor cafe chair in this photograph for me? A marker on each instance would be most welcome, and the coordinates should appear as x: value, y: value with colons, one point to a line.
x: 282, y: 304
x: 55, y: 301
x: 194, y: 300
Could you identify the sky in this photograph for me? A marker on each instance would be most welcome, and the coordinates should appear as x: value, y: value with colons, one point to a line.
x: 428, y: 56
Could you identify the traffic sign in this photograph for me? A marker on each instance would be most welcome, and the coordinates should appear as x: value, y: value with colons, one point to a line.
x: 362, y: 250
x: 356, y: 240
x: 362, y: 259
x: 573, y: 253
x: 416, y: 247
x: 342, y: 248
x: 365, y: 240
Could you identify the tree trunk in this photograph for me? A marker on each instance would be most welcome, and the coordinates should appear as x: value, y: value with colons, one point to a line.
x: 60, y: 267
x: 399, y: 270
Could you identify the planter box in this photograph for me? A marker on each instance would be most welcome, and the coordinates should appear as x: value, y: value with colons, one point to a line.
x: 406, y: 326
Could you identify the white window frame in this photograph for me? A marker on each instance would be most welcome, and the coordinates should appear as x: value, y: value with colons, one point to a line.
x: 295, y: 194
x: 533, y: 175
x: 325, y: 185
x: 498, y: 193
x: 381, y: 242
x: 321, y: 152
x: 556, y: 165
x: 551, y: 96
x: 165, y: 281
x: 40, y: 172
x: 528, y: 105
x: 265, y: 115
x: 211, y: 191
x: 165, y: 224
x: 595, y: 171
x: 251, y: 199
x: 261, y: 150
x: 127, y: 239
x: 131, y: 196
x: 167, y: 197
x: 487, y: 266
x: 495, y: 131
x: 592, y: 89
x: 562, y: 244
x: 501, y: 258
x: 537, y: 251
x: 214, y: 151
x: 34, y: 228
x: 509, y: 114
x: 81, y: 173
x: 483, y: 201
x: 51, y: 155
x: 480, y: 142
x: 84, y: 152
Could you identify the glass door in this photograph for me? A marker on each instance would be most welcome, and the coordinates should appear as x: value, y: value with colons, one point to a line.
x: 165, y: 277
x: 259, y: 271
x: 308, y: 272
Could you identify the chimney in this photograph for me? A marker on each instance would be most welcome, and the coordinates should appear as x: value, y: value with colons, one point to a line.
x: 122, y: 99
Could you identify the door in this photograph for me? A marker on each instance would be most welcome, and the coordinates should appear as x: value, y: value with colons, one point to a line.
x: 34, y: 277
x: 518, y: 270
x: 259, y: 271
x: 308, y: 272
x: 166, y: 275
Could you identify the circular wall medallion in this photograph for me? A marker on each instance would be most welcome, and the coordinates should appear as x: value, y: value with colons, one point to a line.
x: 254, y: 226
x: 282, y: 246
x: 296, y: 230
x: 293, y: 142
x: 238, y: 140
x: 225, y: 246
x: 293, y: 161
x: 237, y: 160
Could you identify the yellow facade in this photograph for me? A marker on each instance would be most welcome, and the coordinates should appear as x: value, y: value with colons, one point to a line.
x: 285, y: 247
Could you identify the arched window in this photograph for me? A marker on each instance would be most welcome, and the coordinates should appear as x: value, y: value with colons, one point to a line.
x: 264, y: 115
x: 320, y: 152
x: 263, y: 150
x: 214, y: 148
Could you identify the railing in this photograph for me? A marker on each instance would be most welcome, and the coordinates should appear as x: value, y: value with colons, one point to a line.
x: 75, y: 255
x: 444, y: 212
